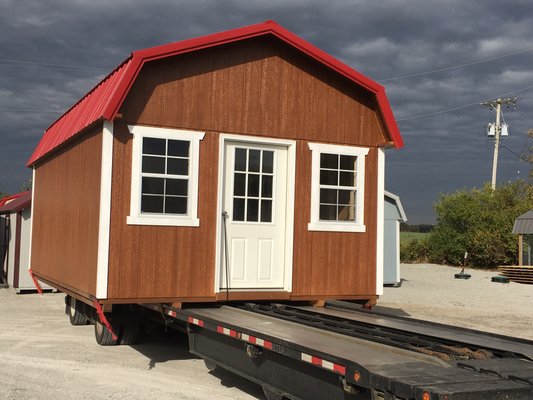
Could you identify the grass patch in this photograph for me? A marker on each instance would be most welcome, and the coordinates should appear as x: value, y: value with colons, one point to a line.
x: 406, y: 237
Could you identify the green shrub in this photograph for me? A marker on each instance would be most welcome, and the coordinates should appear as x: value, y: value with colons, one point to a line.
x: 479, y: 222
x: 414, y: 250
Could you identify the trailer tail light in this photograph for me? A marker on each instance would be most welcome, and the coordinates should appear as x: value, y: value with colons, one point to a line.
x: 426, y: 396
x: 356, y: 376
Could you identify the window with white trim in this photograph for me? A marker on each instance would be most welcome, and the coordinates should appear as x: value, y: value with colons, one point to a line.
x: 164, y: 176
x: 337, y: 188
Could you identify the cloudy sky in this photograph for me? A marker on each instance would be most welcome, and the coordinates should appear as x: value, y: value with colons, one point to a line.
x: 437, y: 59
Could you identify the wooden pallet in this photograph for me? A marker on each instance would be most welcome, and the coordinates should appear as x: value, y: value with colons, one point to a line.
x: 522, y: 274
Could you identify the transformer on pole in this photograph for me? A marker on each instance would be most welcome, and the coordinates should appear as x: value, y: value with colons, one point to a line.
x: 497, y: 105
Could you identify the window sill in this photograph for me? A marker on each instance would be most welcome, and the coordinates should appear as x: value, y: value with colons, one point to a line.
x: 335, y: 227
x: 162, y: 221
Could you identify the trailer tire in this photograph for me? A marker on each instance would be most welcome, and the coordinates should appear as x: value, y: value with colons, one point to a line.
x: 129, y: 333
x: 271, y: 393
x: 210, y: 365
x: 75, y: 310
x: 102, y: 335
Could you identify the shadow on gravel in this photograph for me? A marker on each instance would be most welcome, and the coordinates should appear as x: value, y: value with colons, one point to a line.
x: 229, y: 379
x: 160, y: 347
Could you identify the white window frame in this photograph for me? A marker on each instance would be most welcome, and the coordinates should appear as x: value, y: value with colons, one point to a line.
x: 136, y: 217
x: 337, y: 226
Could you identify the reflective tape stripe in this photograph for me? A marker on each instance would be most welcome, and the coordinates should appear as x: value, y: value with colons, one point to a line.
x: 195, y: 321
x: 255, y: 340
x: 226, y: 331
x: 340, y: 369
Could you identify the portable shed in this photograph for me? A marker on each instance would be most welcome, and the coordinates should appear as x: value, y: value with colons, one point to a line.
x: 394, y: 215
x: 15, y: 231
x: 243, y: 165
x: 523, y: 227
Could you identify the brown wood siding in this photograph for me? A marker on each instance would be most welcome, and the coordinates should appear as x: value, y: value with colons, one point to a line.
x: 259, y: 87
x: 66, y: 206
x: 256, y: 87
x: 333, y: 263
x: 161, y: 261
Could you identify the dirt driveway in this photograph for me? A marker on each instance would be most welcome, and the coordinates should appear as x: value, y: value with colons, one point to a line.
x: 43, y: 357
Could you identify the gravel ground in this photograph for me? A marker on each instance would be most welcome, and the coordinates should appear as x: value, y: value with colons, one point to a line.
x: 432, y: 293
x: 43, y: 357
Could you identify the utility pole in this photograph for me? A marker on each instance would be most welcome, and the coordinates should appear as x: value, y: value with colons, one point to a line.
x: 497, y: 104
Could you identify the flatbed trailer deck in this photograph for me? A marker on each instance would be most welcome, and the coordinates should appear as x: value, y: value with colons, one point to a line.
x: 291, y: 358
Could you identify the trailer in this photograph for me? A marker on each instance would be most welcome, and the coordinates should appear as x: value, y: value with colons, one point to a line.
x: 339, y: 351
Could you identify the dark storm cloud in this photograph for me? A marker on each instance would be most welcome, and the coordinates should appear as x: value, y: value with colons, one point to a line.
x: 81, y: 41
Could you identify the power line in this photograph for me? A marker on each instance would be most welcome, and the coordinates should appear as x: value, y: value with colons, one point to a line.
x: 516, y: 154
x: 454, y: 66
x: 23, y: 110
x: 42, y: 64
x: 459, y: 107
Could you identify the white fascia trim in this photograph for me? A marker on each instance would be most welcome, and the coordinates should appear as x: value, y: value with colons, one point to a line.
x: 380, y: 221
x: 194, y: 137
x: 104, y: 226
x: 31, y: 214
x: 341, y: 226
x: 289, y: 227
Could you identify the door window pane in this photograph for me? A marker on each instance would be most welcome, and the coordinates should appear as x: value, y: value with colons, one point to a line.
x: 254, y: 160
x: 252, y: 210
x: 239, y: 184
x: 240, y: 159
x: 268, y: 161
x: 253, y: 185
x: 266, y: 210
x: 266, y: 186
x: 238, y: 209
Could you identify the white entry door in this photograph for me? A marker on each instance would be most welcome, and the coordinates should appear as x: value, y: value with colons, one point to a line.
x: 254, y: 230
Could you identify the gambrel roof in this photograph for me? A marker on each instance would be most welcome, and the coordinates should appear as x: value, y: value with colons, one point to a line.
x: 106, y: 98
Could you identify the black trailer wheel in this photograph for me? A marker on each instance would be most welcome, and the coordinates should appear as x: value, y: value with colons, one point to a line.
x: 210, y: 365
x: 129, y: 333
x: 271, y: 393
x: 103, y: 336
x: 75, y: 311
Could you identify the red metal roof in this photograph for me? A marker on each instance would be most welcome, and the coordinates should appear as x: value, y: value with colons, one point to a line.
x: 105, y: 99
x: 15, y: 203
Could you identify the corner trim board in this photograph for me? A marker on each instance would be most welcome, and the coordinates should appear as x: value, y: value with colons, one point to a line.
x: 105, y: 211
x: 380, y: 221
x: 31, y: 213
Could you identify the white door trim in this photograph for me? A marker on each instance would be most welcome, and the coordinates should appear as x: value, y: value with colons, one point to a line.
x: 289, y: 219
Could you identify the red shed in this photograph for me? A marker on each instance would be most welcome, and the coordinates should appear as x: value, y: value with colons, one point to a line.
x: 243, y: 165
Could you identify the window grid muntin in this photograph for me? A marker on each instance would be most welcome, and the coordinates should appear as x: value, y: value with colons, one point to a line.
x: 165, y: 176
x: 262, y: 201
x: 339, y: 207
